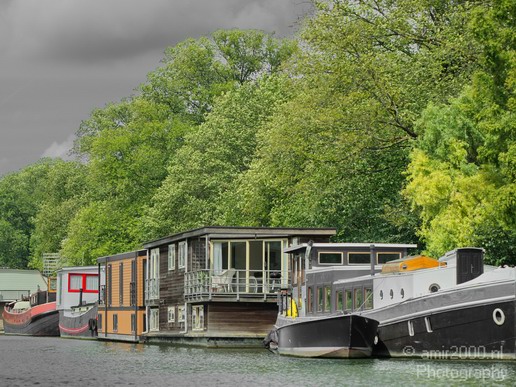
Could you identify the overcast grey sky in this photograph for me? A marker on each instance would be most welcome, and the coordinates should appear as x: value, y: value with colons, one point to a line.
x: 60, y: 59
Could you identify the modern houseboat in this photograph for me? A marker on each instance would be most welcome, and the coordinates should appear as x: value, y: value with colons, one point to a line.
x: 121, y: 309
x: 218, y: 286
x: 312, y: 321
x: 35, y: 315
x: 77, y: 301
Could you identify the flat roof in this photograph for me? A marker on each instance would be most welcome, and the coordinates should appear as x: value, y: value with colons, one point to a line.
x: 78, y: 268
x: 350, y: 245
x: 241, y: 232
x: 117, y: 257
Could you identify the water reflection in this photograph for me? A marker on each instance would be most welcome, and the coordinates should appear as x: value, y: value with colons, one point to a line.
x: 53, y: 361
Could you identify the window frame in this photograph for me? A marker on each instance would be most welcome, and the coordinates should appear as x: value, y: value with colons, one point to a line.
x: 171, y: 311
x: 171, y: 257
x: 197, y: 317
x: 333, y: 253
x: 83, y: 282
x: 182, y: 253
x: 378, y: 253
x: 359, y: 253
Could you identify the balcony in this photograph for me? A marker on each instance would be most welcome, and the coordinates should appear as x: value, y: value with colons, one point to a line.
x: 202, y: 285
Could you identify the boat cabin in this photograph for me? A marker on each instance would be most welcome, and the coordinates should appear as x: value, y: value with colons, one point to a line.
x: 121, y: 310
x: 316, y: 267
x: 77, y: 286
x: 219, y: 282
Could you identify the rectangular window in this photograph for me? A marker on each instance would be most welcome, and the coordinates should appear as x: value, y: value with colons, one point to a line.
x: 310, y: 296
x: 172, y: 256
x: 198, y: 318
x: 220, y: 257
x: 133, y: 322
x: 110, y: 284
x: 89, y: 283
x: 327, y: 299
x: 386, y: 257
x: 330, y: 258
x: 99, y: 322
x: 368, y: 303
x: 320, y: 299
x: 338, y: 300
x: 349, y: 301
x: 182, y: 254
x: 115, y: 322
x: 132, y: 284
x: 359, y: 299
x: 154, y: 319
x: 359, y: 258
x: 121, y: 284
x: 181, y: 316
x: 171, y: 314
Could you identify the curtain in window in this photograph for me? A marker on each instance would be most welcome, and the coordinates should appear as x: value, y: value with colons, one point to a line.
x: 217, y: 258
x: 92, y: 282
x: 75, y: 281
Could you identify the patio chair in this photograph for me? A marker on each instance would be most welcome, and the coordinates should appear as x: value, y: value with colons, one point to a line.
x: 224, y: 280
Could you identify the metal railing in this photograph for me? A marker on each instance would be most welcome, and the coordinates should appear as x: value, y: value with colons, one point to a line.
x: 201, y: 283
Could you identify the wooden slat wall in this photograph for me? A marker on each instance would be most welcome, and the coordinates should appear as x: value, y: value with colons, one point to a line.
x: 245, y: 318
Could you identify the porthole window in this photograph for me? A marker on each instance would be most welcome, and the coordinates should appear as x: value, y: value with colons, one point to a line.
x: 434, y: 288
x: 402, y: 293
x: 392, y: 294
x: 498, y: 316
x: 381, y: 294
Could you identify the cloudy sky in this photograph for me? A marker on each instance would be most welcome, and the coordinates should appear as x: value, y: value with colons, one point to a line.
x: 60, y: 59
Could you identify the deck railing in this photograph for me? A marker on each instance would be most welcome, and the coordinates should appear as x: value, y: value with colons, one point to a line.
x: 232, y: 283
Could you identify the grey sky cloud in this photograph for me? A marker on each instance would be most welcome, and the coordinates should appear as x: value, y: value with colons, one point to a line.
x: 60, y: 59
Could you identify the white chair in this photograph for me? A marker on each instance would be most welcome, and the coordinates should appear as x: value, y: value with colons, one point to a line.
x: 224, y: 281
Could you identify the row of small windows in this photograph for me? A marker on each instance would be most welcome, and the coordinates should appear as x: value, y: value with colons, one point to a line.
x: 347, y: 300
x: 180, y: 252
x: 197, y: 316
x: 115, y: 322
x: 337, y: 258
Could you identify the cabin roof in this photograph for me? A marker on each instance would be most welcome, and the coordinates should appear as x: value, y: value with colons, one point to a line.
x: 241, y: 232
x: 117, y: 257
x: 21, y: 280
x: 302, y: 247
x: 78, y: 269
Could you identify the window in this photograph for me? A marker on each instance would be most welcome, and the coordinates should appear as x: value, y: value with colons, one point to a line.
x: 110, y: 284
x: 386, y: 257
x: 327, y: 299
x: 359, y: 258
x: 99, y: 322
x: 154, y: 319
x: 171, y: 314
x: 89, y: 283
x: 133, y: 322
x: 368, y: 303
x: 349, y: 301
x: 132, y: 284
x: 182, y: 253
x: 220, y: 257
x: 121, y: 284
x: 153, y: 275
x: 172, y: 256
x: 198, y: 318
x: 115, y: 322
x: 330, y: 258
x: 359, y: 299
x: 320, y: 299
x: 338, y: 300
x: 181, y: 316
x: 310, y: 295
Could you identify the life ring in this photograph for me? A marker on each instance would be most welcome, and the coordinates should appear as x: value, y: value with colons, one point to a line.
x: 498, y: 316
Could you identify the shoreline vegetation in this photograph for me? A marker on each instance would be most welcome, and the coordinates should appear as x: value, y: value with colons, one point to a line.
x: 390, y: 121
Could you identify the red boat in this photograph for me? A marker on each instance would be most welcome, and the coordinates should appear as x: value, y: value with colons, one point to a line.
x: 34, y: 318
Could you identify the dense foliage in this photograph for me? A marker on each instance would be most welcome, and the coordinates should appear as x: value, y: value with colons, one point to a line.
x: 392, y: 121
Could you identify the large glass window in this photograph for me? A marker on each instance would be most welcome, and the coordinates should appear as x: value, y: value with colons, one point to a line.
x: 359, y: 258
x: 386, y: 257
x: 330, y: 258
x: 220, y: 257
x: 87, y: 282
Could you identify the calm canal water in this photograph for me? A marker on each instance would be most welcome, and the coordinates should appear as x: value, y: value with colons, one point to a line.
x: 28, y: 361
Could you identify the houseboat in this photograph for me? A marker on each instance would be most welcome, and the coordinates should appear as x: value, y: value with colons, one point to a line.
x: 77, y: 301
x: 217, y: 286
x: 312, y: 321
x: 458, y: 308
x: 121, y: 308
x: 35, y: 315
